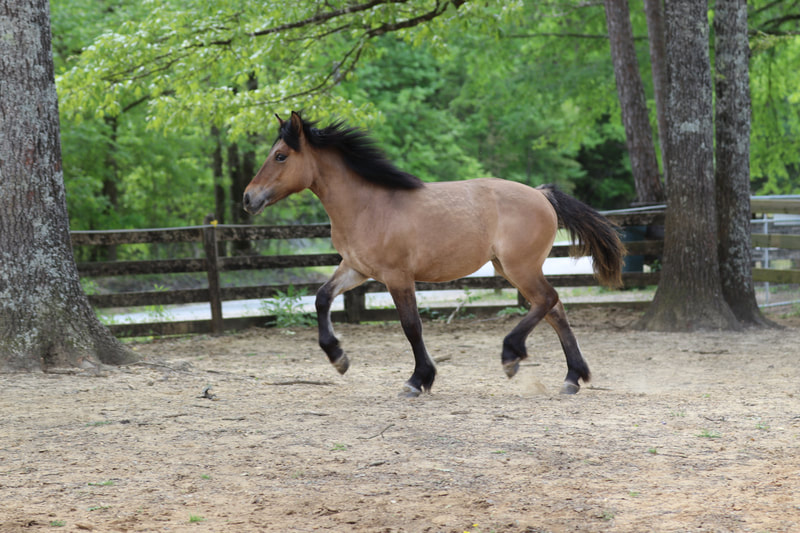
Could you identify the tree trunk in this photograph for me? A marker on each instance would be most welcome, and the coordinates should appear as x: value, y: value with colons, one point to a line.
x: 244, y: 171
x: 732, y: 178
x: 635, y: 118
x: 689, y: 295
x: 110, y: 189
x: 238, y: 184
x: 45, y: 318
x: 219, y: 186
x: 654, y: 12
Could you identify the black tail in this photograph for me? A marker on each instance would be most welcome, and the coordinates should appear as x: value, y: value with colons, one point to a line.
x: 594, y: 234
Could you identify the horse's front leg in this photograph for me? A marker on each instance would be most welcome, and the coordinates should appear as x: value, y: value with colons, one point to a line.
x: 424, y: 370
x: 344, y: 279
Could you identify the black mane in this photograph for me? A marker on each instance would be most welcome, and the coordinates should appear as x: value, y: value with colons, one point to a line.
x: 358, y: 150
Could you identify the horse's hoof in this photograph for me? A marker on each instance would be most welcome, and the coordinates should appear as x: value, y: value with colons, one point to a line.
x: 341, y: 364
x: 570, y: 388
x: 511, y: 368
x: 409, y: 391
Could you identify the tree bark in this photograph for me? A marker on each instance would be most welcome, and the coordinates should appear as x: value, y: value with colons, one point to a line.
x: 654, y: 12
x: 732, y: 177
x: 241, y: 172
x: 110, y: 189
x: 630, y: 91
x: 219, y: 187
x: 689, y: 295
x: 45, y: 318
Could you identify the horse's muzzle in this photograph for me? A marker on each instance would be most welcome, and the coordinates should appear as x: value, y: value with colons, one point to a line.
x: 255, y: 203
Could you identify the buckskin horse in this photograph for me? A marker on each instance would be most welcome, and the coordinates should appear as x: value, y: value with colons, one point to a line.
x: 390, y: 226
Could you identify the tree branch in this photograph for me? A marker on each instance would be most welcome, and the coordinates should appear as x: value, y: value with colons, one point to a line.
x: 437, y: 10
x: 325, y: 16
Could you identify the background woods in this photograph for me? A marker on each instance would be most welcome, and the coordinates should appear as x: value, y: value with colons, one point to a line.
x: 171, y: 97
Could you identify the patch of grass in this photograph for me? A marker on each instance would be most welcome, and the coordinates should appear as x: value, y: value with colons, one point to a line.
x: 286, y: 307
x: 106, y: 483
x: 205, y: 476
x: 158, y: 313
x: 512, y: 311
x: 99, y: 508
x: 338, y: 447
x: 792, y: 312
x: 57, y: 523
x: 653, y: 451
x: 461, y: 302
x: 706, y: 434
x: 195, y: 519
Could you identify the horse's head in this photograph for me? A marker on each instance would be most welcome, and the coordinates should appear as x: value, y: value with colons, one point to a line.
x: 287, y: 170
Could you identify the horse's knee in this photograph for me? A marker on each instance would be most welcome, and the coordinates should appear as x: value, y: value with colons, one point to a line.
x: 323, y: 300
x: 549, y: 299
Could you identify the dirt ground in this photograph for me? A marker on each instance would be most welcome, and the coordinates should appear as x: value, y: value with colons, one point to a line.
x: 677, y: 432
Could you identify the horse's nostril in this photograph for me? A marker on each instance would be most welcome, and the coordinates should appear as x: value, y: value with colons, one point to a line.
x: 246, y: 199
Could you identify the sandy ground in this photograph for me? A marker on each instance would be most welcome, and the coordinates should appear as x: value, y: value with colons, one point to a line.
x: 677, y: 432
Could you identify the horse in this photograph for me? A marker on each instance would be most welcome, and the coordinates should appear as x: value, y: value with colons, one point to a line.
x: 391, y: 226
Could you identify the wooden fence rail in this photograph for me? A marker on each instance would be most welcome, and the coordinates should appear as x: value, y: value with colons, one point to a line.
x: 210, y: 235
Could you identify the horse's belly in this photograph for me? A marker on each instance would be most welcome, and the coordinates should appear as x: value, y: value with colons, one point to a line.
x: 452, y: 264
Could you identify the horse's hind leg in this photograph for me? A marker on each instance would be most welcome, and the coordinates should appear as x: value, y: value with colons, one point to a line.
x: 577, y: 368
x: 542, y: 300
x: 344, y: 279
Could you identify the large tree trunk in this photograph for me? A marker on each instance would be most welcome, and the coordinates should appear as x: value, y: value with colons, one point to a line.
x: 732, y: 179
x: 638, y: 134
x: 689, y: 295
x: 654, y: 13
x: 45, y: 318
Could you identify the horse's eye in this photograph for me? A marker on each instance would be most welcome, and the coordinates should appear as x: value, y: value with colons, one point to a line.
x: 280, y: 158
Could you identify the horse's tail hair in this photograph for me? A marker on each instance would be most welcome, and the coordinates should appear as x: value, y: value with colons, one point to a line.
x: 591, y: 234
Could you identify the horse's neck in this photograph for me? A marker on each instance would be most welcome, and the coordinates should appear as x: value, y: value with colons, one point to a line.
x: 344, y: 195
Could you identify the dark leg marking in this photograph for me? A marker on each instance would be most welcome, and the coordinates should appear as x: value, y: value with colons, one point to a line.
x: 424, y: 370
x: 514, y: 349
x: 577, y: 367
x: 344, y: 279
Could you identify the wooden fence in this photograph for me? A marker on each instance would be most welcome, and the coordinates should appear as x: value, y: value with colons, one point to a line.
x: 355, y: 309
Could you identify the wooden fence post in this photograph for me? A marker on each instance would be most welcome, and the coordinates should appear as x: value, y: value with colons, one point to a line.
x: 355, y: 302
x: 212, y: 269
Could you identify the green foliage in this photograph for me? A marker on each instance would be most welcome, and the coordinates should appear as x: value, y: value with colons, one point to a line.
x: 775, y: 95
x: 774, y: 156
x: 407, y: 85
x: 158, y: 312
x: 520, y: 90
x: 512, y: 311
x: 286, y: 307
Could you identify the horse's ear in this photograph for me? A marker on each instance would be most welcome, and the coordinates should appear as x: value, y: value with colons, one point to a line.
x: 297, y: 124
x: 280, y: 120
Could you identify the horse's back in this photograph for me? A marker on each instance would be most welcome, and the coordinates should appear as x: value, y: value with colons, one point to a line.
x: 460, y: 225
